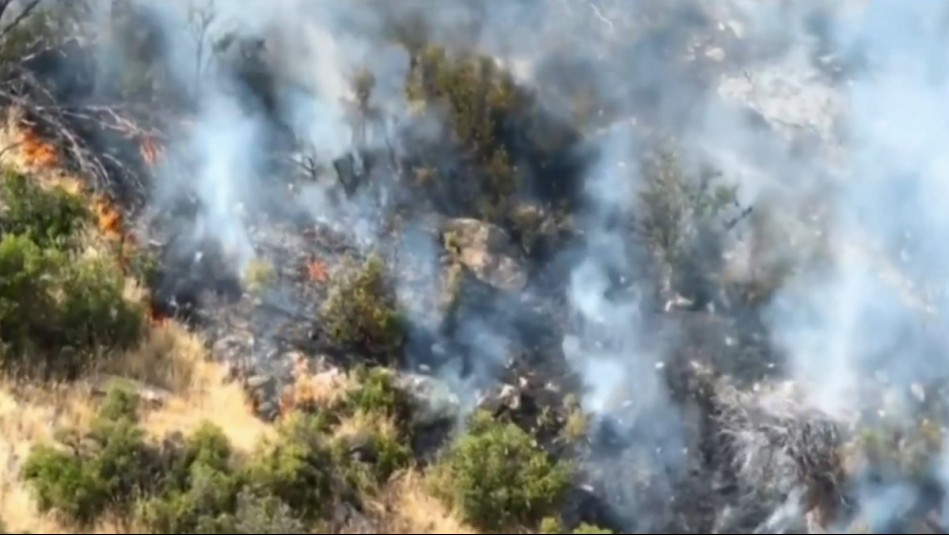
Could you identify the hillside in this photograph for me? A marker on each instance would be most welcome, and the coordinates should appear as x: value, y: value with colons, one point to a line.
x: 587, y: 266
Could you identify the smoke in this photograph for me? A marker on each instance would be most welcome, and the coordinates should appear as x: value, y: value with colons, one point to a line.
x: 828, y: 119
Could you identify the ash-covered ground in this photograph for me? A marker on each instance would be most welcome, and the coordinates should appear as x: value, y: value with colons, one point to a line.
x: 709, y: 227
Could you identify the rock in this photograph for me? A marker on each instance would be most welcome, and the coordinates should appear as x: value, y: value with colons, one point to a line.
x: 260, y: 382
x: 505, y: 397
x: 232, y: 347
x: 151, y: 395
x: 487, y: 251
x: 433, y: 401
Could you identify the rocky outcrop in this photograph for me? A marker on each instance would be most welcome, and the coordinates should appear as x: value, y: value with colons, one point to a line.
x: 486, y: 250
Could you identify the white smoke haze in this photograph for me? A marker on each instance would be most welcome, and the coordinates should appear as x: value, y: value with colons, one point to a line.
x: 830, y: 119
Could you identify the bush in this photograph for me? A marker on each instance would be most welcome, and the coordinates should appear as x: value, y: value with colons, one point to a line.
x: 107, y: 469
x: 265, y: 514
x: 360, y: 313
x: 497, y: 476
x: 27, y: 307
x: 200, y: 488
x: 296, y: 468
x: 60, y: 310
x: 480, y: 99
x: 94, y: 314
x: 589, y: 529
x: 374, y: 392
x: 48, y: 217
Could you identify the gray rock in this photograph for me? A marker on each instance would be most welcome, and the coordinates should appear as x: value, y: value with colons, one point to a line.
x: 503, y: 397
x: 433, y: 401
x: 487, y: 251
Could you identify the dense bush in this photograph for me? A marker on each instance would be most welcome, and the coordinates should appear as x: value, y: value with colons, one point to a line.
x: 199, y: 491
x: 296, y: 467
x: 374, y: 392
x: 361, y: 313
x: 48, y: 217
x: 497, y: 476
x: 56, y: 310
x: 480, y: 98
x: 106, y: 469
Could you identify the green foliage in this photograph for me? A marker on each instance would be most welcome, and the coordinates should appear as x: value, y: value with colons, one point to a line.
x: 265, y: 514
x: 47, y: 217
x: 551, y: 525
x: 106, y: 469
x: 56, y: 311
x: 497, y: 476
x: 93, y: 312
x: 296, y: 468
x: 360, y: 312
x: 589, y: 529
x: 200, y: 488
x: 480, y: 99
x: 374, y: 392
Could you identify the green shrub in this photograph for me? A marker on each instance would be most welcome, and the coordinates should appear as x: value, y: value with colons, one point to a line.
x: 107, y: 469
x: 380, y: 454
x: 265, y: 514
x: 27, y: 307
x: 480, y: 99
x: 589, y: 529
x: 57, y: 313
x: 48, y: 217
x: 374, y: 392
x: 297, y: 467
x: 551, y: 525
x: 200, y: 488
x: 497, y: 476
x: 361, y: 313
x: 94, y: 313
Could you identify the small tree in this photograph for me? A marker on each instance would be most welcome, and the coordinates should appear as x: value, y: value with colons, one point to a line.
x: 361, y: 313
x: 497, y: 476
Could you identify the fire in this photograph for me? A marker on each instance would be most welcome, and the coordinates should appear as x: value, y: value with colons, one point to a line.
x: 109, y: 219
x: 150, y: 150
x: 36, y: 152
x: 317, y: 271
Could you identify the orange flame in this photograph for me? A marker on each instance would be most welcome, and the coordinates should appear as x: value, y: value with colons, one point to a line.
x: 109, y: 219
x: 317, y: 271
x: 150, y: 150
x: 36, y: 152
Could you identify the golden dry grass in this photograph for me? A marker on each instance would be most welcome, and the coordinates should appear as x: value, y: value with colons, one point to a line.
x: 409, y: 508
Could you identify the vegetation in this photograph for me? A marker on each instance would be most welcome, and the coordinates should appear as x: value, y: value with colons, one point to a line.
x: 498, y: 477
x: 361, y: 313
x: 57, y: 309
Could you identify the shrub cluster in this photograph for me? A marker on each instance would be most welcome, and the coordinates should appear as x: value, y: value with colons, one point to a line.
x: 360, y: 313
x: 57, y: 309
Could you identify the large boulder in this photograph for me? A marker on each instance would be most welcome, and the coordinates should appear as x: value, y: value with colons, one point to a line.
x: 487, y: 251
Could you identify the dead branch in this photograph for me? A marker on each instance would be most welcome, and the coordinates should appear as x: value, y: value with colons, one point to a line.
x: 19, y: 18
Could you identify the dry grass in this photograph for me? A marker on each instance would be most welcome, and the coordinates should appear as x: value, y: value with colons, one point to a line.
x: 171, y: 359
x: 410, y: 508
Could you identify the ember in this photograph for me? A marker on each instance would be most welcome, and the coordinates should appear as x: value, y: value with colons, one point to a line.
x: 317, y: 271
x: 150, y: 150
x: 38, y: 153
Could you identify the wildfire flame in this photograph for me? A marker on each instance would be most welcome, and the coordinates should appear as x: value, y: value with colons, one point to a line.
x: 36, y: 152
x: 109, y: 219
x: 317, y: 271
x: 150, y: 150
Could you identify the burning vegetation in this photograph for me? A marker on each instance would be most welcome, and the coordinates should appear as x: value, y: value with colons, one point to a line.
x: 364, y: 267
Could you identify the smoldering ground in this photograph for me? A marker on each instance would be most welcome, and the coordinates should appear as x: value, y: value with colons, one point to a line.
x: 793, y: 236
